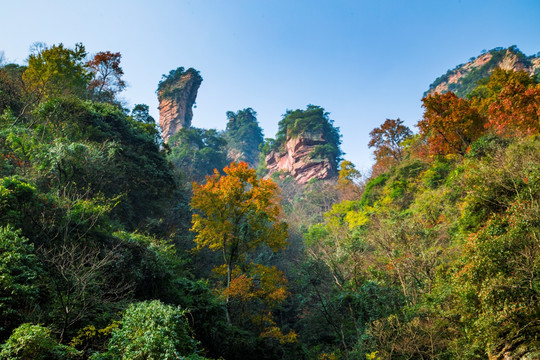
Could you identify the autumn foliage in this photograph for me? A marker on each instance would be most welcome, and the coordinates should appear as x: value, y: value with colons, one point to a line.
x: 451, y: 124
x: 516, y: 110
x: 107, y: 75
x: 387, y: 141
x: 507, y: 104
x: 236, y: 213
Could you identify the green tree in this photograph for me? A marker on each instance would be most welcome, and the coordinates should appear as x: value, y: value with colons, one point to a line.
x: 18, y: 281
x: 195, y: 152
x: 152, y: 330
x: 141, y: 113
x: 12, y: 92
x: 57, y: 71
x: 101, y: 150
x: 244, y: 136
x: 496, y: 288
x: 35, y: 342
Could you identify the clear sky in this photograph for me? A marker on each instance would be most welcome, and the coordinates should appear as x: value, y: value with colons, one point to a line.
x: 363, y: 61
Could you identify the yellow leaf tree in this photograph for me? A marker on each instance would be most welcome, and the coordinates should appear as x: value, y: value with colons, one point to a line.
x: 235, y: 214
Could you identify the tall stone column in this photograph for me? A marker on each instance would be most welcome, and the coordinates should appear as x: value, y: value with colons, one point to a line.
x: 177, y: 94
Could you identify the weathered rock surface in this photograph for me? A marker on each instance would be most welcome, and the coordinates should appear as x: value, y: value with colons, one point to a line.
x: 296, y: 160
x: 176, y: 102
x: 509, y: 61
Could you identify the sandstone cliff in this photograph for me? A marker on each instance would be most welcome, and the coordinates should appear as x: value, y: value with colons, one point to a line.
x: 296, y: 159
x: 464, y: 77
x: 177, y: 94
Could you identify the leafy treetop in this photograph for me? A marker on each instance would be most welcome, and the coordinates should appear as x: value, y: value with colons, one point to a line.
x: 107, y: 75
x: 57, y: 71
x: 244, y: 133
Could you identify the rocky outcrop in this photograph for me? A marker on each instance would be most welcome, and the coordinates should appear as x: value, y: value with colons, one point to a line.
x: 464, y: 77
x: 177, y: 95
x: 296, y: 160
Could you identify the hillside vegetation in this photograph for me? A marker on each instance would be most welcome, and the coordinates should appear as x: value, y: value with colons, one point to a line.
x: 107, y: 251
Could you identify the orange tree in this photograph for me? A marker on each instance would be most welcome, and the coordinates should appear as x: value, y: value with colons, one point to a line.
x: 236, y: 214
x: 450, y: 124
x: 516, y: 111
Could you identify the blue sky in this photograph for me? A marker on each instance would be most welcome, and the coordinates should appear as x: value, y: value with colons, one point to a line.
x: 363, y: 61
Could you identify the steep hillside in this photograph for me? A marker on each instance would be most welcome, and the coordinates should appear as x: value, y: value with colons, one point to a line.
x: 464, y: 77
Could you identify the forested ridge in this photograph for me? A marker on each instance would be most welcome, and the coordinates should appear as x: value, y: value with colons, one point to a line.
x: 114, y: 245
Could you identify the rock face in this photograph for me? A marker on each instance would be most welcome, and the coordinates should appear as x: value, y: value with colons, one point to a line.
x: 177, y: 95
x: 464, y: 77
x: 296, y: 160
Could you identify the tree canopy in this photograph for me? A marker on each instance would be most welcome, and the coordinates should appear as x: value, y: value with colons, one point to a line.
x: 244, y: 135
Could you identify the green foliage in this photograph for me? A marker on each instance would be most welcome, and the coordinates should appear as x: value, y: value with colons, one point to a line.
x: 98, y: 149
x: 18, y: 282
x: 244, y: 135
x: 494, y: 182
x: 497, y: 291
x: 436, y: 257
x: 454, y: 236
x: 12, y: 94
x: 195, y: 152
x: 402, y: 182
x: 487, y: 145
x: 437, y: 172
x: 16, y: 201
x: 57, y: 71
x: 152, y: 330
x: 372, y: 190
x: 152, y: 265
x: 34, y: 342
x: 322, y: 152
x: 141, y: 113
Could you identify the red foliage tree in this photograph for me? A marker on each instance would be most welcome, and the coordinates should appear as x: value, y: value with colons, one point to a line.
x: 387, y: 139
x: 516, y: 110
x: 450, y: 123
x: 107, y: 75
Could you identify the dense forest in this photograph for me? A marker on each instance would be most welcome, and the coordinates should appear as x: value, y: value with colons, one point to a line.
x: 114, y: 245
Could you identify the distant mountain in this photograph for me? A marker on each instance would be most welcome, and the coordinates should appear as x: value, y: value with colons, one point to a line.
x: 464, y: 78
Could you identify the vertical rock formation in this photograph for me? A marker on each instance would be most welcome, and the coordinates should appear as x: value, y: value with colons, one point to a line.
x: 177, y: 93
